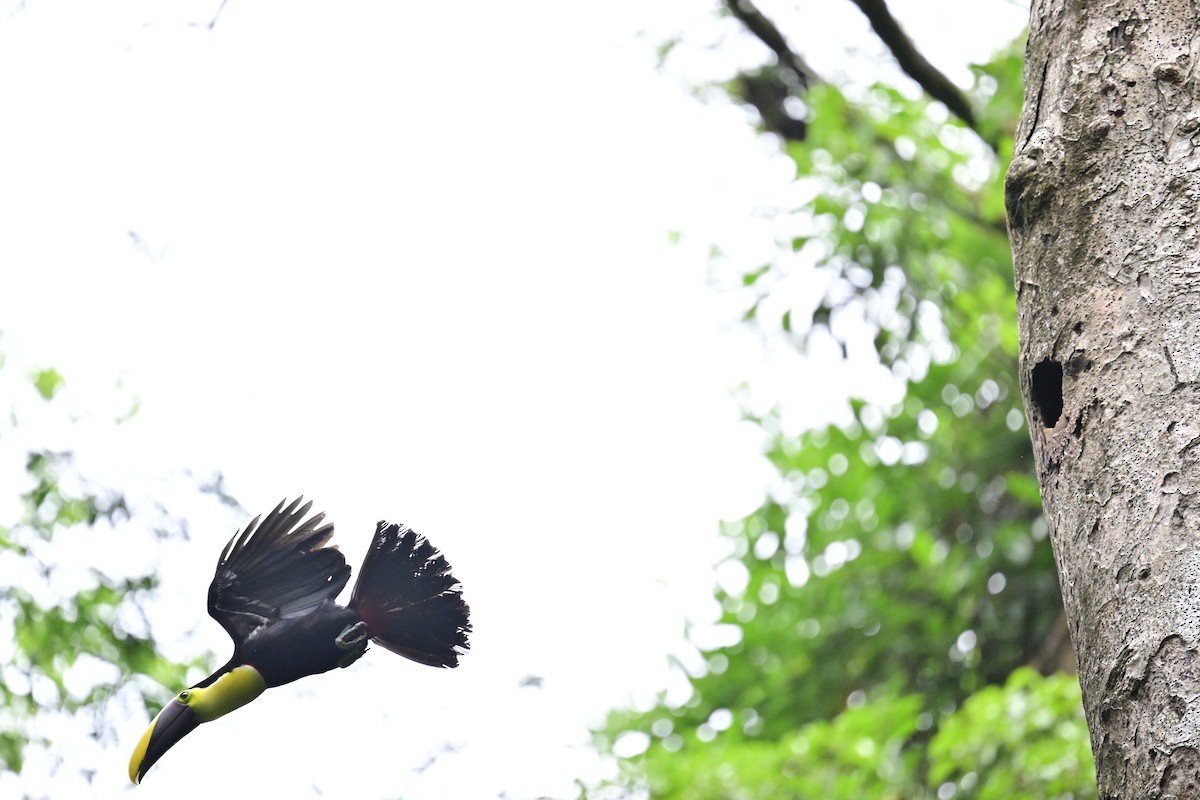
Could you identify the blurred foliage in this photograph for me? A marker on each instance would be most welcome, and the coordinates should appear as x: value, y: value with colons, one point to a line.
x: 896, y: 583
x: 1023, y: 739
x: 47, y: 382
x: 75, y: 637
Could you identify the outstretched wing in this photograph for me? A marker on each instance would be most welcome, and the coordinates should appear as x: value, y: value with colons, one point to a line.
x: 279, y: 569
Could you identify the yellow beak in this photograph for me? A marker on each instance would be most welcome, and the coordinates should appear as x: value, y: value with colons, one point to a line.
x: 175, y: 721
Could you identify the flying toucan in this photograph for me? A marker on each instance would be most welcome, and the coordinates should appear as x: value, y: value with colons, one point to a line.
x: 274, y: 591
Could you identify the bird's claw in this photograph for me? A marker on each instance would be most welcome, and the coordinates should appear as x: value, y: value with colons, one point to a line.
x: 352, y: 635
x: 352, y: 639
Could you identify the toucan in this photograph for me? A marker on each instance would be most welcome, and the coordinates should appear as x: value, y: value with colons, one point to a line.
x: 274, y: 591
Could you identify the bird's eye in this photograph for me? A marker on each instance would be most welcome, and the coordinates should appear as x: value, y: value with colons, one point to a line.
x: 184, y: 695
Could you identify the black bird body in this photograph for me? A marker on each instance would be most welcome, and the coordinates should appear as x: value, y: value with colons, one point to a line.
x: 290, y: 649
x: 273, y: 592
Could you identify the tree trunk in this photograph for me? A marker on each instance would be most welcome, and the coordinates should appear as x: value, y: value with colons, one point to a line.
x: 1102, y: 202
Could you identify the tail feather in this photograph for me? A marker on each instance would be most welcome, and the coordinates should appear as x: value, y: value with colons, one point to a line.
x: 411, y: 603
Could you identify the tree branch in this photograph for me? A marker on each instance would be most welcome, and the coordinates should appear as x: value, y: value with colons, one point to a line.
x: 915, y: 65
x: 758, y: 24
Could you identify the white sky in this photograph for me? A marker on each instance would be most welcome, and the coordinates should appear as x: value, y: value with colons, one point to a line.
x: 412, y: 261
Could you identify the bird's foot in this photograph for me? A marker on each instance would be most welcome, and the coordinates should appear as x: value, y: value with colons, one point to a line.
x: 352, y: 635
x: 352, y: 639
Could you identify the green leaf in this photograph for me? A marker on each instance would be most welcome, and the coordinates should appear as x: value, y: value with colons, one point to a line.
x: 751, y: 277
x: 47, y: 382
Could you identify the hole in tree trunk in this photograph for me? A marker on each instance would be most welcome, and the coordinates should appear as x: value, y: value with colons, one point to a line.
x: 1046, y: 388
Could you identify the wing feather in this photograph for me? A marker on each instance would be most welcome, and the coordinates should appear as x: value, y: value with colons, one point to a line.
x: 278, y: 567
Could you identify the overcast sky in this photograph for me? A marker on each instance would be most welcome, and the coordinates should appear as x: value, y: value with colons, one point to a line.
x: 413, y: 261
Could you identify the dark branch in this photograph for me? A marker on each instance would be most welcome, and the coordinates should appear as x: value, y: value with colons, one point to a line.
x: 929, y: 77
x: 771, y: 88
x: 748, y: 14
x: 213, y: 23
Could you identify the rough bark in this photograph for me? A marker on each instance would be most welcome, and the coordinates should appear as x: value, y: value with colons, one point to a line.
x: 1102, y: 201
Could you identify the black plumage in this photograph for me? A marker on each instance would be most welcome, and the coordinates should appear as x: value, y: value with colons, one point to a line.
x: 411, y: 603
x: 273, y: 592
x: 275, y: 584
